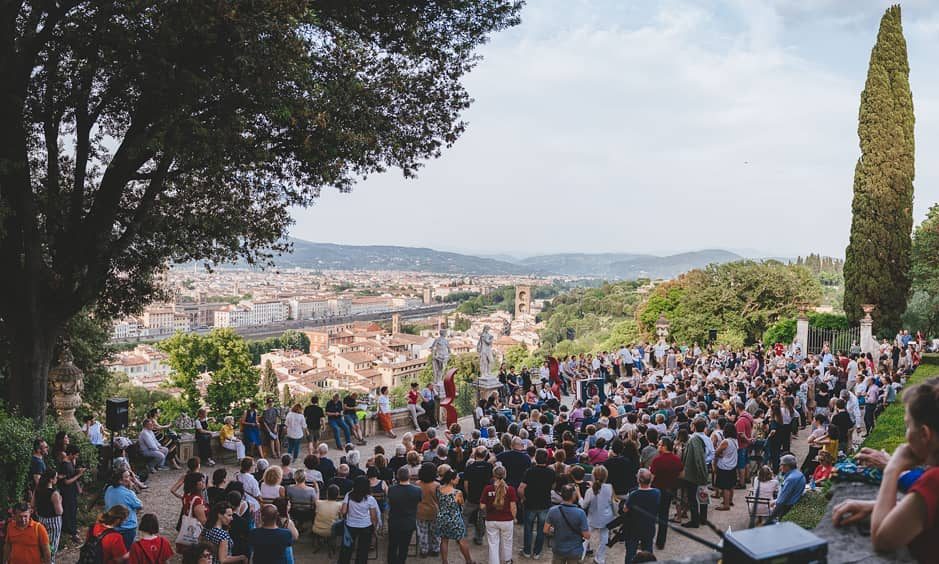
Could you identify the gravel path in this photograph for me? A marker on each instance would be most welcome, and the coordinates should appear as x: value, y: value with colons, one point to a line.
x: 158, y: 500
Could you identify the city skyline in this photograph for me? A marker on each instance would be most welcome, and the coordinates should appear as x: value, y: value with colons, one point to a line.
x: 601, y: 127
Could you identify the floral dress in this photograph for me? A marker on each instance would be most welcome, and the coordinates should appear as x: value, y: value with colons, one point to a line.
x: 450, y: 523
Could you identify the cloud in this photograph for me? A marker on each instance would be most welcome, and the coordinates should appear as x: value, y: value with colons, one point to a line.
x: 652, y: 127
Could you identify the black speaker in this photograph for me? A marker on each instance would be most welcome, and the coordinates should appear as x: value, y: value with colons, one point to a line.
x: 117, y: 414
x: 712, y: 334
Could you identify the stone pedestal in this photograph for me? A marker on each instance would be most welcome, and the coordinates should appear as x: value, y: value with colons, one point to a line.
x: 868, y: 344
x: 802, y: 332
x: 66, y: 381
x: 487, y: 385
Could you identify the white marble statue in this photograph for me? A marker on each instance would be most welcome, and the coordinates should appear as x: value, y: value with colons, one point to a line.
x: 440, y: 352
x: 484, y: 348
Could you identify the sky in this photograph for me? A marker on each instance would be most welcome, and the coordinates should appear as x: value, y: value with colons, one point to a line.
x: 653, y: 127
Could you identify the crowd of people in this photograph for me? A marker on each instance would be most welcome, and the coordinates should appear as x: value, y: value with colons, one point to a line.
x: 656, y: 436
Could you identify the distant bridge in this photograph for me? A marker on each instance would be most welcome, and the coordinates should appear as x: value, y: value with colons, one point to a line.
x: 257, y: 332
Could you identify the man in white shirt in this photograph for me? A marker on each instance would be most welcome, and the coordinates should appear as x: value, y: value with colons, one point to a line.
x: 603, y: 430
x: 150, y: 447
x: 627, y: 361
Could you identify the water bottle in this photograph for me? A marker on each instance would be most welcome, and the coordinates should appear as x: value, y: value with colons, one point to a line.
x: 812, y: 484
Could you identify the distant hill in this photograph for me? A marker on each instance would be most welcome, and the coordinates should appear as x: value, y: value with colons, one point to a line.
x: 328, y: 256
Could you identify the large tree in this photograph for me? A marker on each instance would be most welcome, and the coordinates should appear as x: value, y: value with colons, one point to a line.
x: 140, y: 132
x: 923, y: 309
x: 877, y: 260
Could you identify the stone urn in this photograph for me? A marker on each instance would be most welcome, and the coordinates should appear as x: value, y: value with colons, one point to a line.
x: 67, y: 383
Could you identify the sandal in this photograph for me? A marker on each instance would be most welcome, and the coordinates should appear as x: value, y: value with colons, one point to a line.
x: 722, y: 508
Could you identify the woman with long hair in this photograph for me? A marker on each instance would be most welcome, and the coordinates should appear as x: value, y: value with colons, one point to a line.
x: 361, y: 512
x: 193, y: 500
x: 216, y: 532
x: 774, y: 435
x: 251, y: 430
x: 113, y: 547
x: 296, y: 429
x: 600, y: 505
x: 499, y: 500
x: 450, y: 525
x: 48, y: 508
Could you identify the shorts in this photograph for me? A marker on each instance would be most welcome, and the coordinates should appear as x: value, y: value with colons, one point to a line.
x: 351, y: 419
x: 726, y: 479
x: 384, y: 419
x: 742, y: 457
x: 266, y: 438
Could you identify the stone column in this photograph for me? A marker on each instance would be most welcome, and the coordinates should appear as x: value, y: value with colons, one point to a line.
x: 868, y: 344
x: 802, y: 332
x: 67, y: 382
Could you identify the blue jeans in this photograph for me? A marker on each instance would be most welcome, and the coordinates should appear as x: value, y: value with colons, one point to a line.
x: 337, y: 425
x: 129, y: 536
x: 293, y: 447
x: 536, y: 518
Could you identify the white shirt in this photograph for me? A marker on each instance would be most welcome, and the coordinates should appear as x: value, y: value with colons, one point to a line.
x: 147, y: 439
x: 95, y: 436
x: 358, y: 512
x: 296, y: 424
x: 384, y: 404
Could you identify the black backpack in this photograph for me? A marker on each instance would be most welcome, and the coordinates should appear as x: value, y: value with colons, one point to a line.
x: 91, y: 552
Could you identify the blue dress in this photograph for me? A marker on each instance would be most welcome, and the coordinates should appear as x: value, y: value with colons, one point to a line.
x: 251, y: 434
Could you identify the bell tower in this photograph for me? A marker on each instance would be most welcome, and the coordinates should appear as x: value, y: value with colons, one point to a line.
x: 522, y: 301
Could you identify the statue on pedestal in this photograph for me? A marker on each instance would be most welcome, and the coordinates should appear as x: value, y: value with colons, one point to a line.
x: 484, y: 348
x: 67, y: 383
x: 440, y: 355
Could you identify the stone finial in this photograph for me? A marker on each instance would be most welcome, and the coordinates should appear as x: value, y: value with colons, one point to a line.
x: 67, y: 383
x: 868, y: 308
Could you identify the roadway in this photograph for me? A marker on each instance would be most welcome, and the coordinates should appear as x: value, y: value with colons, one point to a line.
x: 263, y: 331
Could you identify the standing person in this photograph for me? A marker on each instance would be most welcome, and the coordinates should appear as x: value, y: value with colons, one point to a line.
x: 216, y: 532
x: 250, y: 430
x: 48, y: 509
x: 384, y: 412
x: 119, y: 493
x: 336, y: 423
x: 413, y: 407
x: 666, y: 469
x: 270, y: 542
x: 92, y: 429
x: 150, y: 548
x: 113, y: 548
x: 37, y: 463
x: 226, y: 436
x: 641, y: 508
x: 270, y: 434
x: 695, y: 472
x: 314, y: 414
x: 726, y: 466
x: 204, y: 436
x: 600, y: 508
x: 744, y: 426
x: 476, y: 476
x: 499, y: 499
x: 569, y: 524
x: 27, y: 541
x: 69, y: 475
x: 870, y: 404
x: 427, y: 539
x: 350, y: 414
x: 429, y: 403
x: 296, y: 427
x: 450, y: 525
x: 361, y: 512
x: 535, y: 491
x: 193, y: 502
x: 403, y: 499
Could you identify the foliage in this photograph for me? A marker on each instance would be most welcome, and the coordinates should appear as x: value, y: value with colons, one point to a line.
x: 811, y: 507
x: 16, y: 441
x: 877, y: 260
x: 288, y: 340
x: 890, y: 430
x: 739, y: 299
x: 519, y: 357
x: 224, y: 354
x: 922, y: 313
x: 141, y: 399
x: 587, y: 311
x: 461, y: 323
x: 784, y: 330
x: 137, y: 133
x: 268, y: 380
x: 817, y: 264
x: 88, y: 338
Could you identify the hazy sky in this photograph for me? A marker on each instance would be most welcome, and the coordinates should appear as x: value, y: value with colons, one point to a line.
x: 613, y: 126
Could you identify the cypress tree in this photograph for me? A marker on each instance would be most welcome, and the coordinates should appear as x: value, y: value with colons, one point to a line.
x: 877, y: 260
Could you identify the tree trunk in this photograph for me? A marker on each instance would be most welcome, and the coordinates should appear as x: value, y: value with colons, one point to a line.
x: 33, y: 342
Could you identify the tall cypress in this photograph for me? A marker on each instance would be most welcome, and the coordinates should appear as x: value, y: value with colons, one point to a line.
x: 877, y: 260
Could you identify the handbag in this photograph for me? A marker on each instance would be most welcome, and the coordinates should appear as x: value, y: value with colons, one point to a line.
x: 190, y: 529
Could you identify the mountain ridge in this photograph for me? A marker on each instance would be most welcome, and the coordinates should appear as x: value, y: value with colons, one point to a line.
x: 334, y: 256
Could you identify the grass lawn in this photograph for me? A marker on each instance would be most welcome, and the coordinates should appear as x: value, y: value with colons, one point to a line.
x: 888, y: 434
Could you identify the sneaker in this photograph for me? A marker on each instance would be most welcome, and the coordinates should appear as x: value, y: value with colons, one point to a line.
x: 536, y: 556
x: 525, y: 554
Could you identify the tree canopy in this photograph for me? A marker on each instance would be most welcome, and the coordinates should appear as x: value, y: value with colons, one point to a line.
x: 877, y: 260
x: 923, y: 309
x: 137, y: 133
